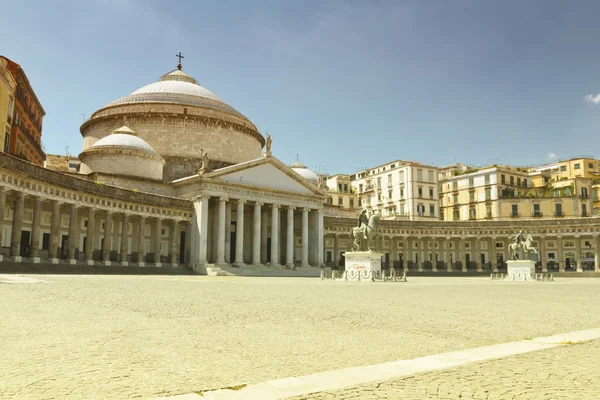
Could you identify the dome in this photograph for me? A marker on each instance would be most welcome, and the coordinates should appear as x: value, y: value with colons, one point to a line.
x: 124, y: 137
x: 176, y: 87
x: 303, y: 171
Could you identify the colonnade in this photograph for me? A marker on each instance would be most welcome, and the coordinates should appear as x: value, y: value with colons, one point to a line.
x: 265, y: 233
x: 471, y: 253
x: 106, y: 234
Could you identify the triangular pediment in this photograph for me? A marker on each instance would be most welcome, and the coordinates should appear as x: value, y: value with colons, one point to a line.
x: 267, y: 173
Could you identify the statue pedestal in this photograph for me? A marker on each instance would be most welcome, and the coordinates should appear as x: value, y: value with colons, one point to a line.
x: 520, y: 270
x: 363, y: 265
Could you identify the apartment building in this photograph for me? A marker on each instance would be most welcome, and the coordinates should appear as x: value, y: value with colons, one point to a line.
x: 399, y: 190
x: 341, y: 193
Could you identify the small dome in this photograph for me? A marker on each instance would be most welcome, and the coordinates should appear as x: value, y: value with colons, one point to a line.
x: 124, y: 137
x: 303, y: 171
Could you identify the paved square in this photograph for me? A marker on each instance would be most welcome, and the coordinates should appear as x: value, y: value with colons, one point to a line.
x: 149, y: 336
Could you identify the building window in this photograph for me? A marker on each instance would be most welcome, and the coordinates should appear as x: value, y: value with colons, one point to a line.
x: 401, y: 209
x: 512, y: 181
x: 563, y: 168
x: 420, y: 175
x: 378, y: 182
x: 456, y: 214
x: 472, y: 214
x: 514, y: 210
x: 401, y: 175
x: 329, y: 201
x: 524, y: 182
x: 584, y: 210
x: 401, y: 193
x: 431, y: 193
x: 389, y: 195
x: 591, y: 166
x: 420, y: 210
x: 340, y: 201
x: 345, y: 188
x: 487, y: 179
x: 503, y: 179
x: 488, y: 211
x: 339, y: 187
x: 536, y: 210
x: 558, y: 210
x: 577, y: 166
x: 430, y: 176
x: 455, y: 185
x: 472, y: 196
x: 390, y: 180
x: 471, y: 182
x: 351, y: 203
x: 584, y: 193
x: 431, y: 210
x: 488, y: 193
x: 420, y: 191
x: 455, y: 199
x: 518, y: 181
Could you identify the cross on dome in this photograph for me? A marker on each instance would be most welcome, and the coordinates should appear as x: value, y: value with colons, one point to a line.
x: 180, y: 56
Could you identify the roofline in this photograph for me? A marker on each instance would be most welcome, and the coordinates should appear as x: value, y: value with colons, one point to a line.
x: 20, y: 69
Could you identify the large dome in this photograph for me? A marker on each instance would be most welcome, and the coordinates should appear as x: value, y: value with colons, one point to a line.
x: 180, y: 120
x: 304, y: 172
x: 176, y: 87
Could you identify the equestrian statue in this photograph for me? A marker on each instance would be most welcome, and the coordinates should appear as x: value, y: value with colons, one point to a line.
x: 366, y: 230
x: 521, y: 242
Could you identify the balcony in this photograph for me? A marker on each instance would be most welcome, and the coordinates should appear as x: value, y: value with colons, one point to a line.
x: 560, y: 214
x: 537, y: 214
x: 515, y: 215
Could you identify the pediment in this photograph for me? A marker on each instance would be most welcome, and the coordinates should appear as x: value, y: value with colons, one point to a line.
x: 267, y: 173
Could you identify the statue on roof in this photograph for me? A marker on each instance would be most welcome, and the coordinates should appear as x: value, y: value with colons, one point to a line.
x: 268, y: 143
x: 205, y: 161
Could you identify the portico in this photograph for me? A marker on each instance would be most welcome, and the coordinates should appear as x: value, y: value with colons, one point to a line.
x: 276, y: 217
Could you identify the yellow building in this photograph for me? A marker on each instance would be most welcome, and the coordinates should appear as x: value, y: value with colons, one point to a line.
x: 341, y: 193
x: 502, y: 193
x: 579, y: 167
x: 7, y: 102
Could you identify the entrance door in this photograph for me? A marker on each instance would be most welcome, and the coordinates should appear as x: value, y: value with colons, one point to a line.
x: 25, y: 238
x: 468, y: 260
x: 268, y: 249
x: 64, y: 243
x: 342, y: 259
x: 232, y: 240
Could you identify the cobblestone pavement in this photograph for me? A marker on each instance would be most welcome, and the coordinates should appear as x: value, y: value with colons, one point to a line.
x: 565, y: 372
x: 150, y: 336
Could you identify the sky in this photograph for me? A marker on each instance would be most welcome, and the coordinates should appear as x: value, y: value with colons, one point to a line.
x: 344, y: 84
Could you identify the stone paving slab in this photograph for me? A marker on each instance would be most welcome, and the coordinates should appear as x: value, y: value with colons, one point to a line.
x: 564, y: 372
x: 152, y: 336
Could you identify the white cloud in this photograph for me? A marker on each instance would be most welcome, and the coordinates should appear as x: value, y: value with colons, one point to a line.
x: 552, y: 156
x: 593, y: 98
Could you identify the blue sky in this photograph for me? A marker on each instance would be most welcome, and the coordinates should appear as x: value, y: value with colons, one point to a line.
x: 345, y: 84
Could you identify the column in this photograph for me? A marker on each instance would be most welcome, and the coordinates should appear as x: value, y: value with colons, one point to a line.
x: 461, y: 253
x: 220, y: 225
x: 434, y: 254
x: 35, y: 229
x: 157, y: 241
x: 492, y: 254
x: 336, y: 250
x: 175, y: 242
x: 107, y: 238
x: 2, y: 208
x: 239, y: 234
x: 228, y: 233
x: 578, y: 253
x: 561, y: 257
x: 477, y: 257
x: 90, y: 236
x: 124, y: 244
x: 17, y: 226
x: 256, y: 234
x: 54, y: 232
x: 289, y: 251
x: 320, y: 239
x: 447, y: 257
x: 275, y: 235
x: 73, y: 242
x: 305, y: 237
x: 141, y: 242
x: 188, y: 243
x: 264, y: 233
x: 542, y: 254
x: 597, y: 253
x: 200, y: 237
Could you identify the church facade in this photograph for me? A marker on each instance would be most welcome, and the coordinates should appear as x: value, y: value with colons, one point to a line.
x: 171, y: 175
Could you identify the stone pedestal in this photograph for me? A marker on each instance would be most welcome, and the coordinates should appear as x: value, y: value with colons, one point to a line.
x: 363, y: 265
x: 54, y: 260
x: 18, y: 259
x: 90, y: 262
x: 36, y: 260
x: 72, y: 261
x: 520, y: 270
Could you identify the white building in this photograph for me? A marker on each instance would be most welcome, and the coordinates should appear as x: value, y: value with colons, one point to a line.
x: 399, y: 190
